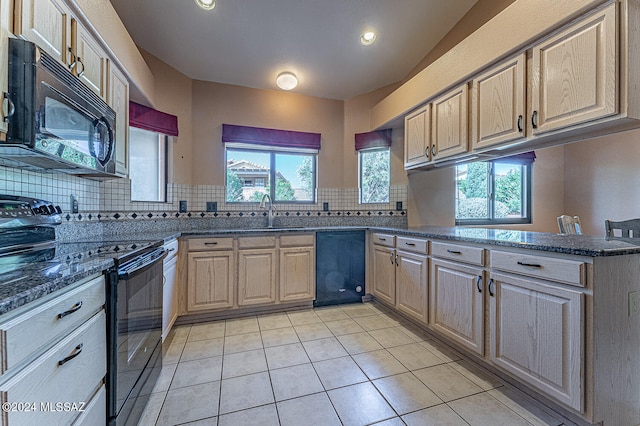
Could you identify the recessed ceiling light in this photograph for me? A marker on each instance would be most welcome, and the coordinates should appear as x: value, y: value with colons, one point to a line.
x: 206, y: 4
x: 287, y: 80
x: 368, y: 38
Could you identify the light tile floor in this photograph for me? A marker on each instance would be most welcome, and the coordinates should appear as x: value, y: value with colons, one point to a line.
x: 347, y: 365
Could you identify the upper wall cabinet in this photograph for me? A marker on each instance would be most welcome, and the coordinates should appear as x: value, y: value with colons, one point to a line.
x: 498, y: 104
x: 5, y: 19
x: 417, y: 137
x: 574, y: 78
x: 118, y: 100
x: 51, y: 25
x: 449, y: 127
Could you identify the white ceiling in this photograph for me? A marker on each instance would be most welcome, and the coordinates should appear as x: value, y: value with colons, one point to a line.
x: 249, y: 42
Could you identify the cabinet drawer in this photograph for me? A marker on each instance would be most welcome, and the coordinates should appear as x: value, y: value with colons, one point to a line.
x: 68, y: 372
x: 216, y: 243
x: 266, y: 241
x: 95, y: 411
x: 472, y: 255
x: 297, y: 240
x: 550, y: 268
x: 25, y: 333
x: 412, y: 244
x: 387, y: 240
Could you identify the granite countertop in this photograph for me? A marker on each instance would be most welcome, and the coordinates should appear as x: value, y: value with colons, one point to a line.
x: 581, y: 245
x: 38, y: 279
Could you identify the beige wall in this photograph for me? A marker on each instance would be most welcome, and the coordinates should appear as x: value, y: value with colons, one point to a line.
x: 215, y: 104
x: 173, y: 96
x: 602, y: 180
x: 432, y: 194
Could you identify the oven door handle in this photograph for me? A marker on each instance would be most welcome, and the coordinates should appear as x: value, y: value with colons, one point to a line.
x: 127, y: 274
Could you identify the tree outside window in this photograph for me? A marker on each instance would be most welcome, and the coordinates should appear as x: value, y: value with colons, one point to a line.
x: 374, y: 176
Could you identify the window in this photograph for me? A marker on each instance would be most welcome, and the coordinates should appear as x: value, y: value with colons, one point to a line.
x: 287, y: 175
x: 374, y: 175
x: 494, y: 192
x: 148, y: 156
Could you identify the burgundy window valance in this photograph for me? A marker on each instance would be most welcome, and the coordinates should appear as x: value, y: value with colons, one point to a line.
x: 146, y: 118
x: 270, y: 137
x: 524, y: 158
x: 375, y: 139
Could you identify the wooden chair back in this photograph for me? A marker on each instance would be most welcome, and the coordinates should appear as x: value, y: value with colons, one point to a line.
x: 628, y: 228
x: 569, y: 225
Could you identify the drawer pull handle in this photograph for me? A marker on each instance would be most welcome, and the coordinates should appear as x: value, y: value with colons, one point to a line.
x: 491, y: 292
x: 392, y: 258
x: 382, y: 239
x: 73, y: 309
x: 453, y: 251
x: 410, y: 244
x: 478, y: 284
x: 77, y: 351
x: 532, y: 265
x: 211, y: 244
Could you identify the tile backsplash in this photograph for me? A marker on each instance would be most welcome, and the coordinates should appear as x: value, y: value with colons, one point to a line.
x: 110, y: 200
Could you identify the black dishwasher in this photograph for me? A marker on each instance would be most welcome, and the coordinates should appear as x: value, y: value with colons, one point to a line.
x: 339, y: 267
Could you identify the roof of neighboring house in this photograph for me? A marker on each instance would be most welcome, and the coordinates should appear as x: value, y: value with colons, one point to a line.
x: 245, y: 167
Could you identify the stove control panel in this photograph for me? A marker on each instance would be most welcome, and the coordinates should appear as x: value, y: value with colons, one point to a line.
x: 17, y: 212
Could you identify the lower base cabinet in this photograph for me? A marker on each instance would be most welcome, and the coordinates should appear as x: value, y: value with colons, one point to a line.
x: 537, y: 335
x: 211, y: 282
x: 297, y: 274
x: 256, y: 277
x: 411, y: 284
x: 456, y: 304
x: 384, y: 274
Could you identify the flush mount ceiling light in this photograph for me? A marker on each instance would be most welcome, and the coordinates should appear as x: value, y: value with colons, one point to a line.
x: 287, y: 80
x: 206, y: 4
x: 367, y: 38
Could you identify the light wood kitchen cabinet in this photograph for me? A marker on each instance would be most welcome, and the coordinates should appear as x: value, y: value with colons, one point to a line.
x: 384, y: 273
x: 5, y: 25
x: 92, y: 69
x: 537, y: 334
x: 256, y: 276
x: 417, y: 137
x: 47, y: 23
x: 411, y: 284
x: 575, y: 73
x: 449, y: 125
x: 456, y: 304
x: 52, y: 26
x: 211, y: 280
x: 498, y: 104
x: 297, y: 273
x: 118, y: 100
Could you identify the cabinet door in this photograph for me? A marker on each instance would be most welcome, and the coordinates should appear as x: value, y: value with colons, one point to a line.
x: 537, y: 334
x: 256, y: 276
x: 417, y: 137
x: 498, y: 104
x: 5, y: 18
x: 450, y: 124
x: 92, y: 59
x: 47, y: 23
x: 297, y: 274
x: 211, y: 280
x: 169, y: 296
x: 411, y: 284
x: 384, y: 274
x: 575, y: 73
x: 118, y: 100
x: 456, y: 307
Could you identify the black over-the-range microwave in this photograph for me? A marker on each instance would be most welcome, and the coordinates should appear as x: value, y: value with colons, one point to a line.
x: 55, y: 121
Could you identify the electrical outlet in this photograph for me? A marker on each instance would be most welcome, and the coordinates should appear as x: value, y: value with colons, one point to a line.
x: 212, y: 206
x: 634, y: 302
x: 183, y: 206
x: 325, y: 207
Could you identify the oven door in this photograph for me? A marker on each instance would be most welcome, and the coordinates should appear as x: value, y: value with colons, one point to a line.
x: 135, y: 350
